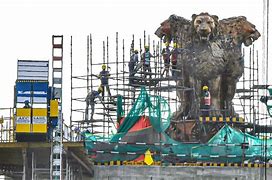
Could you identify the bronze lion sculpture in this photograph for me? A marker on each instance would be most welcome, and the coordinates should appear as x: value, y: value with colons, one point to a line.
x: 209, y: 54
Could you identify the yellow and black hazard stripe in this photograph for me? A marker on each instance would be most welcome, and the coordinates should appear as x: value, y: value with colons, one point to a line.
x: 221, y: 119
x: 201, y: 164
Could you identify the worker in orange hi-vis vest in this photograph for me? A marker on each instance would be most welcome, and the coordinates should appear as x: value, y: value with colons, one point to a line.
x: 206, y: 101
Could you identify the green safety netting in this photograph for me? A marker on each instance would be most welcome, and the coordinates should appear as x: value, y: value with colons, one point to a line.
x: 120, y: 110
x: 225, y: 146
x: 231, y: 145
x: 158, y: 111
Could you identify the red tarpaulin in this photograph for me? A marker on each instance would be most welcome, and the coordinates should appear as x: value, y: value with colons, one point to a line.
x: 142, y: 123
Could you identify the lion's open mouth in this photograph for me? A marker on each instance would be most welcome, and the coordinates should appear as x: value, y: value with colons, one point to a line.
x: 204, y: 37
x: 250, y: 39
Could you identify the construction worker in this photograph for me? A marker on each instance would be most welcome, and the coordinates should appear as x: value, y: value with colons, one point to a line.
x: 134, y: 59
x: 206, y: 101
x: 174, y: 56
x: 166, y: 59
x: 90, y: 101
x: 27, y: 105
x: 77, y: 134
x: 104, y: 77
x: 146, y: 60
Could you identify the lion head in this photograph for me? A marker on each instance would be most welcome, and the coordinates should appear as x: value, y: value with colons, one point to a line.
x: 240, y: 30
x: 170, y: 28
x: 204, y: 26
x: 165, y: 31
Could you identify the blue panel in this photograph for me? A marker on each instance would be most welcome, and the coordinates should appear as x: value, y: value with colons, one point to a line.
x: 23, y: 95
x: 23, y: 86
x: 40, y: 89
x: 33, y: 95
x: 54, y: 122
x: 32, y: 89
x: 23, y: 89
x: 36, y: 94
x: 40, y: 86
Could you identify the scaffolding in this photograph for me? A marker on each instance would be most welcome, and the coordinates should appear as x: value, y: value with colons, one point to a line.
x: 121, y: 82
x: 7, y: 125
x: 248, y: 94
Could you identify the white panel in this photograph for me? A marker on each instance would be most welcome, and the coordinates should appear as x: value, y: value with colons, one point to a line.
x: 56, y: 149
x: 33, y: 73
x: 56, y: 162
x: 32, y: 78
x: 32, y: 70
x: 41, y: 100
x: 32, y: 63
x: 39, y: 120
x: 22, y: 120
x: 56, y: 173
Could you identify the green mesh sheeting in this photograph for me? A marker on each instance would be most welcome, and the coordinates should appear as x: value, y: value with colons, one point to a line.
x: 120, y: 110
x: 270, y: 91
x: 158, y: 111
x: 225, y: 146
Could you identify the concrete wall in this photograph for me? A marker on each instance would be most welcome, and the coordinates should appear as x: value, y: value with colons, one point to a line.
x: 178, y: 172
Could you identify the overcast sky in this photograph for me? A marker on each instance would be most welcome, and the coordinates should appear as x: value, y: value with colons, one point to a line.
x: 27, y: 27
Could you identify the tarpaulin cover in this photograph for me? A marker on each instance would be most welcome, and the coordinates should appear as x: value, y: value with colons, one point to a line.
x: 228, y: 145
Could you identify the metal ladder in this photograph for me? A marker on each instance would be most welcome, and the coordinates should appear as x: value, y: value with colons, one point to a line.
x: 57, y: 148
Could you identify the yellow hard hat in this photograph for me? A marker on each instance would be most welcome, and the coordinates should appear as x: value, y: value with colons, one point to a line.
x: 166, y: 43
x: 205, y: 88
x: 174, y: 45
x: 100, y: 89
x: 104, y: 66
x: 146, y: 47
